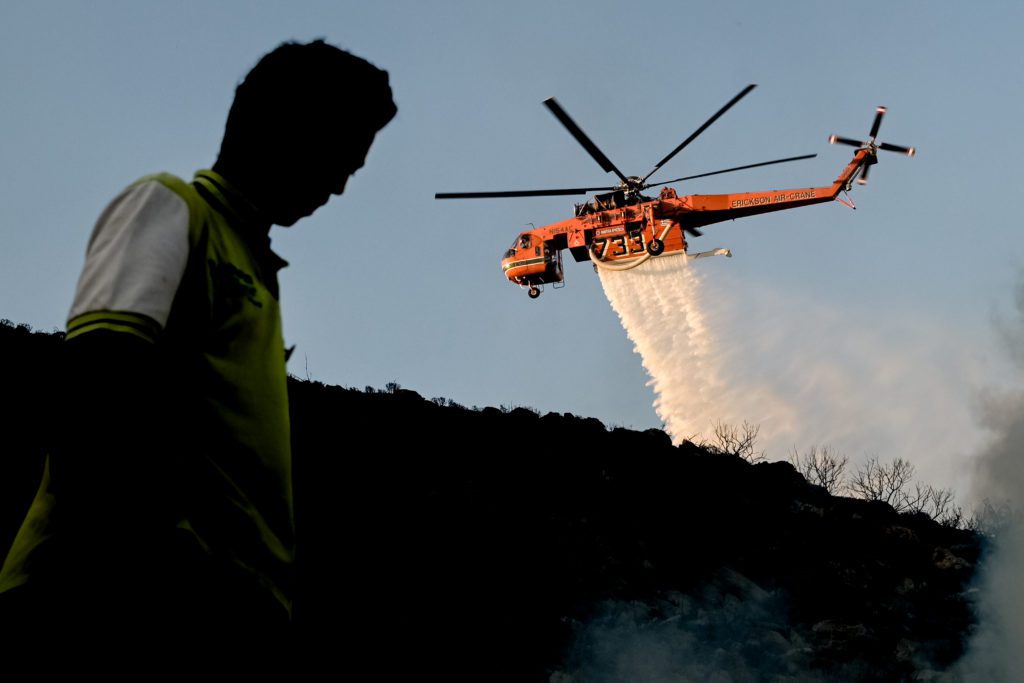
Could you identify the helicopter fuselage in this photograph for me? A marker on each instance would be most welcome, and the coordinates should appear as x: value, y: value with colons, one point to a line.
x: 616, y: 228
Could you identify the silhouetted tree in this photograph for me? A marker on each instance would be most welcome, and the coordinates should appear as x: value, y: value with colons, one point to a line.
x: 888, y: 483
x: 741, y: 441
x: 823, y: 467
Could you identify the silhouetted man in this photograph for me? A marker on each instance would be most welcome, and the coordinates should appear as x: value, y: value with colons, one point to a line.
x: 167, y: 503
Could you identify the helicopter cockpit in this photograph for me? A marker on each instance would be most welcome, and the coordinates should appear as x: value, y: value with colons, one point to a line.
x: 531, y: 261
x: 523, y: 241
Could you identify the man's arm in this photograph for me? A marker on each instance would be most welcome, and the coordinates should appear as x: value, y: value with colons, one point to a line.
x: 107, y: 451
x: 109, y: 470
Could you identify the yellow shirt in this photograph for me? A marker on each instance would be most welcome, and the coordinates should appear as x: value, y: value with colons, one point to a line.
x: 188, y: 267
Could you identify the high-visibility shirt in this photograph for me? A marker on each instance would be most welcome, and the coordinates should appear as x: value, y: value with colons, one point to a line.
x: 188, y: 267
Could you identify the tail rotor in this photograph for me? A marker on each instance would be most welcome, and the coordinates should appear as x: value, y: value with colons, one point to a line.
x: 871, y: 144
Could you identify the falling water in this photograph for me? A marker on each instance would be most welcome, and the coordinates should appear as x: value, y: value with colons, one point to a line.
x: 659, y: 306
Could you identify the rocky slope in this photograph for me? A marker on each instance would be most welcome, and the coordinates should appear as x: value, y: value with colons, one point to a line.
x: 495, y: 544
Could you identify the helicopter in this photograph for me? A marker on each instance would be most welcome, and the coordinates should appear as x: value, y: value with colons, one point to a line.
x: 621, y: 228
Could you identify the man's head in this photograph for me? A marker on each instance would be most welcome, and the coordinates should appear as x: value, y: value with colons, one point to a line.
x: 301, y: 123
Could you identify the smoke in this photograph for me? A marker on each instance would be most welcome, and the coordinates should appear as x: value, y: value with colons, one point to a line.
x: 730, y: 633
x: 860, y: 382
x: 994, y: 650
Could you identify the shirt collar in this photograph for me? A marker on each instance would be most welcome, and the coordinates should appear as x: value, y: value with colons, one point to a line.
x: 231, y: 199
x: 242, y: 213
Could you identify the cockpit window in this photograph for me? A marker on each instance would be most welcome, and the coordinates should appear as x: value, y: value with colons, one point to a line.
x: 523, y: 241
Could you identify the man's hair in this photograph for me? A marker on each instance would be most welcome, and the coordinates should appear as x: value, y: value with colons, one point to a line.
x: 307, y: 87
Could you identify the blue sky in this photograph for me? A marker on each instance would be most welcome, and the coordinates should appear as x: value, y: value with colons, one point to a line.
x: 387, y: 284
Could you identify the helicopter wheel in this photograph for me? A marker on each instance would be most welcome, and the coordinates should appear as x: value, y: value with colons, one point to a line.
x: 533, y: 292
x: 655, y: 247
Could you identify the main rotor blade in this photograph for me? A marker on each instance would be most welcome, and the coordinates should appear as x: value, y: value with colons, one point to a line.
x: 700, y: 130
x: 581, y: 137
x: 520, y: 193
x: 909, y: 151
x: 735, y: 168
x: 833, y: 139
x: 879, y: 113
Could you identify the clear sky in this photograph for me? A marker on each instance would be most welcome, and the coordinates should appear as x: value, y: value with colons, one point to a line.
x: 892, y: 304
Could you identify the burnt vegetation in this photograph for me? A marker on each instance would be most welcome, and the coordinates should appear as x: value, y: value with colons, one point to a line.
x: 480, y: 543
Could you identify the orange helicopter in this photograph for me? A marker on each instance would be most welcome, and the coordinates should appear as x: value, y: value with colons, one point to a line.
x: 621, y: 228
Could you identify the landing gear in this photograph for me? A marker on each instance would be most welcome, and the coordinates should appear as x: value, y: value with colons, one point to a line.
x: 655, y: 247
x: 533, y: 292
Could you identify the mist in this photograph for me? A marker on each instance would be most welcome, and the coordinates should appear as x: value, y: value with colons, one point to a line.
x: 718, y: 350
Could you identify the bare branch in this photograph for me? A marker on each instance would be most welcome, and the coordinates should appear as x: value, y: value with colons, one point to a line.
x: 887, y: 483
x: 822, y: 467
x: 739, y: 441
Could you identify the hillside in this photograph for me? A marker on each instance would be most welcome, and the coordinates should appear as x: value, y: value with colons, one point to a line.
x: 501, y: 544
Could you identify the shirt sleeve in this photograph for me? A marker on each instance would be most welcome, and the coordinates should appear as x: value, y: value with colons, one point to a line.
x: 134, y: 263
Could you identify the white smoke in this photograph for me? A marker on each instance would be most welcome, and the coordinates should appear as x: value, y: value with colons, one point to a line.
x: 733, y: 631
x: 994, y: 652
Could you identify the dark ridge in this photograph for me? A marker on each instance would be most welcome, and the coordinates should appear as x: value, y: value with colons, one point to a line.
x: 436, y: 540
x: 27, y: 389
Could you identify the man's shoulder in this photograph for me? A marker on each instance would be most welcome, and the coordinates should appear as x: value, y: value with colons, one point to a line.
x: 136, y: 258
x: 167, y: 179
x: 185, y: 194
x: 183, y: 188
